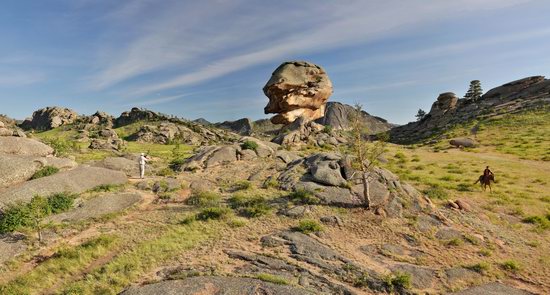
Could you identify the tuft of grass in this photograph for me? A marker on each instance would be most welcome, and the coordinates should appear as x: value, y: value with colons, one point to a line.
x: 303, y: 197
x: 454, y: 242
x: 361, y: 281
x: 45, y: 171
x: 249, y: 145
x: 205, y: 199
x: 272, y: 279
x: 307, y: 226
x: 107, y: 188
x: 510, y: 265
x: 213, y: 213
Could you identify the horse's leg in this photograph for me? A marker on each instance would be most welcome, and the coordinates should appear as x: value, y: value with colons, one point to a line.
x: 490, y: 189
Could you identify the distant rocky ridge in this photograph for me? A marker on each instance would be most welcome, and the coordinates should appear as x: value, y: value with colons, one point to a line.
x: 448, y: 110
x: 49, y: 118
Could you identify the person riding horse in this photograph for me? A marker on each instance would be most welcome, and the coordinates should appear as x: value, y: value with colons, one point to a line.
x: 486, y: 178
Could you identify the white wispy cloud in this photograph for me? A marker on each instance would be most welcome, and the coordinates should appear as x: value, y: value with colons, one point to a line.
x: 12, y: 79
x: 193, y: 43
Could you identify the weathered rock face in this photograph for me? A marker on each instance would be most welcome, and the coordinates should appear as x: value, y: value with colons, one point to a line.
x: 137, y: 114
x: 330, y: 178
x: 448, y: 110
x: 242, y: 126
x: 463, y: 142
x: 49, y: 118
x: 166, y: 132
x: 337, y: 115
x: 302, y: 131
x: 297, y: 89
x: 8, y: 127
x: 107, y: 139
x: 101, y: 118
x: 23, y: 147
x: 215, y: 285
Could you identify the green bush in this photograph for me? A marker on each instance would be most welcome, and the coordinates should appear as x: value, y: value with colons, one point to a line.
x: 327, y: 129
x: 398, y: 280
x: 176, y: 164
x: 45, y: 171
x: 107, y: 188
x: 542, y: 222
x: 249, y: 206
x: 204, y: 199
x: 17, y: 216
x: 272, y: 279
x: 481, y: 267
x: 303, y: 197
x: 215, y: 213
x: 307, y: 226
x: 249, y: 145
x: 436, y: 192
x: 60, y: 202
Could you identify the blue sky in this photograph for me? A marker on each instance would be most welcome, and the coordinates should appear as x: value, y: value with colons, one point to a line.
x: 211, y: 58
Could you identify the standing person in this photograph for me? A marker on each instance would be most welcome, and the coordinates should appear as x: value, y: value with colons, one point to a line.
x: 142, y: 161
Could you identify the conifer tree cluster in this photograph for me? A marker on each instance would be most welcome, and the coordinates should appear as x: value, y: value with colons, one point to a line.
x: 474, y: 92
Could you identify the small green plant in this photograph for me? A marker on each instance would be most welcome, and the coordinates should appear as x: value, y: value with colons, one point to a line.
x: 304, y: 197
x: 454, y: 242
x: 485, y: 252
x: 271, y: 183
x: 361, y: 281
x: 176, y: 164
x: 510, y: 265
x: 45, y: 171
x: 249, y: 145
x: 327, y: 129
x: 205, y: 199
x: 398, y: 281
x: 215, y: 213
x: 272, y: 279
x: 165, y: 172
x: 60, y: 146
x: 61, y: 202
x: 307, y: 226
x: 436, y: 192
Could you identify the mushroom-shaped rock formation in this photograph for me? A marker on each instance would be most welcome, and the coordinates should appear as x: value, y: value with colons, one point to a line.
x: 297, y: 89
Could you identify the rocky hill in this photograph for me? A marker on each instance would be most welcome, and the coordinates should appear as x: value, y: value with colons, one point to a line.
x: 448, y: 110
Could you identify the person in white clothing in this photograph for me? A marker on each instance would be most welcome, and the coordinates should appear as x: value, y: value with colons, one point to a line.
x: 142, y: 161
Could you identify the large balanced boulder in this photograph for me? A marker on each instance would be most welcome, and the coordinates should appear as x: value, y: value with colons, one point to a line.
x: 215, y: 285
x: 23, y: 147
x: 49, y: 118
x: 74, y: 181
x: 297, y: 89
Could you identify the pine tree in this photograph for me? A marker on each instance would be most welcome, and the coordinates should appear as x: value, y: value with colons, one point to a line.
x: 474, y: 92
x: 420, y: 115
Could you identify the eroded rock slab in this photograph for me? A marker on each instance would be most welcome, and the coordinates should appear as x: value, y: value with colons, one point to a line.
x: 77, y: 180
x: 215, y: 285
x: 494, y: 288
x: 23, y: 147
x: 99, y: 206
x: 11, y: 245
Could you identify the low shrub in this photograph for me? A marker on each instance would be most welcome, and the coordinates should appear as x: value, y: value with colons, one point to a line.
x: 482, y: 267
x: 214, y: 213
x: 272, y: 279
x: 542, y: 222
x: 249, y: 145
x: 60, y: 202
x: 303, y: 197
x: 327, y: 129
x: 510, y: 265
x: 398, y: 281
x: 45, y: 171
x: 307, y: 226
x: 61, y: 147
x: 107, y: 188
x: 176, y: 164
x: 204, y: 199
x: 249, y: 206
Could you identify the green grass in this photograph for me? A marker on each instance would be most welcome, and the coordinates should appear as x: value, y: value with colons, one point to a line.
x: 250, y: 206
x: 107, y: 188
x: 307, y: 226
x: 510, y: 265
x: 541, y: 222
x: 45, y: 171
x: 436, y: 192
x: 303, y: 197
x: 398, y: 281
x: 62, y: 265
x: 249, y: 145
x: 481, y: 267
x: 131, y: 263
x: 213, y: 213
x: 241, y: 185
x: 272, y: 279
x: 205, y: 199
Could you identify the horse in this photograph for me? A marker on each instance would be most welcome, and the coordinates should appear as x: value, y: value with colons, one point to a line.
x: 485, y: 180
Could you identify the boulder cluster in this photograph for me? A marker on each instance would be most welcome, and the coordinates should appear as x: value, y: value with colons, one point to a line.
x: 449, y: 110
x: 49, y: 118
x: 297, y: 89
